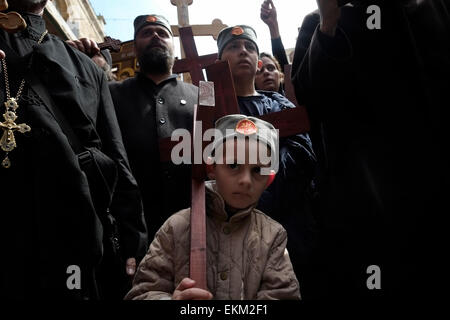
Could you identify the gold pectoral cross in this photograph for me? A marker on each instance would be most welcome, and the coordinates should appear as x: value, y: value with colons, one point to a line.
x: 8, y: 140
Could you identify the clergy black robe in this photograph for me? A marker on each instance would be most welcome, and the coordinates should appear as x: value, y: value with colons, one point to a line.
x: 48, y: 221
x: 376, y: 99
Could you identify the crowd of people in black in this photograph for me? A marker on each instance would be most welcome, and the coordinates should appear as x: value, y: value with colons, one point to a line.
x: 84, y: 192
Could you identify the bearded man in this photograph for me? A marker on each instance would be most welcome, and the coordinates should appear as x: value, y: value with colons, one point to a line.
x: 149, y: 107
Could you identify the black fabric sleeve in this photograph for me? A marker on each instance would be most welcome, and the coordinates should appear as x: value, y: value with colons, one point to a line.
x: 126, y: 206
x: 279, y: 52
x: 320, y: 61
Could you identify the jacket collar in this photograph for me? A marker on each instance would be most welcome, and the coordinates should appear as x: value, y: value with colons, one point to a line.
x: 143, y: 78
x: 215, y: 205
x: 35, y: 25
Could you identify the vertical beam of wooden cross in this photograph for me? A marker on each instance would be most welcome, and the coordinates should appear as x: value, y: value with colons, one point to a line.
x: 188, y: 50
x: 183, y: 21
x: 182, y: 11
x: 192, y: 63
x: 203, y: 120
x: 226, y: 99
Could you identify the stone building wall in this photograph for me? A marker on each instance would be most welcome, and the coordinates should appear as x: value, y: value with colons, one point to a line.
x: 74, y: 19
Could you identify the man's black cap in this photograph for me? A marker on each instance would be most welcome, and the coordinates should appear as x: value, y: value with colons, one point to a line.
x: 142, y: 21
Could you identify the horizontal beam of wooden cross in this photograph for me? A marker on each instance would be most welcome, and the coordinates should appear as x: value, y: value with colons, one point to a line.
x: 298, y: 114
x: 289, y: 122
x: 212, y: 29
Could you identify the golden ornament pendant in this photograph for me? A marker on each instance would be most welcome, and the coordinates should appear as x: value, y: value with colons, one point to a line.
x: 11, y: 104
x: 6, y: 163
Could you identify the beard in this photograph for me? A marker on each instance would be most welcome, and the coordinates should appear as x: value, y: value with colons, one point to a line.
x: 28, y: 6
x: 156, y: 60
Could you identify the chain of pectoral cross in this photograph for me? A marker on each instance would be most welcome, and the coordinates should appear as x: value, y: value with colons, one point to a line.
x: 9, y: 126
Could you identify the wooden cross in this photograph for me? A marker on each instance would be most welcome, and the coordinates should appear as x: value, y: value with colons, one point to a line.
x: 187, y: 50
x: 289, y: 122
x: 192, y: 63
x: 11, y: 21
x: 110, y: 44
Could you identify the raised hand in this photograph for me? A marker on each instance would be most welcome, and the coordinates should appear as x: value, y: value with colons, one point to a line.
x: 268, y: 12
x: 269, y: 16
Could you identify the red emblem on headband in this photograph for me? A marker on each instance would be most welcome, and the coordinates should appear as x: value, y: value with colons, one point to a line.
x: 246, y: 127
x: 152, y: 19
x: 237, y: 31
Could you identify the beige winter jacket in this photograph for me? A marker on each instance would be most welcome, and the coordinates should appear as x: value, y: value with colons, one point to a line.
x: 246, y: 256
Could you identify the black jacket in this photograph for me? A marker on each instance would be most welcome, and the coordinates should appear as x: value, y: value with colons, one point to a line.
x: 146, y: 114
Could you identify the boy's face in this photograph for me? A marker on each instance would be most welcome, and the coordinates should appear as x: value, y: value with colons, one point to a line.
x: 240, y: 185
x: 242, y: 55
